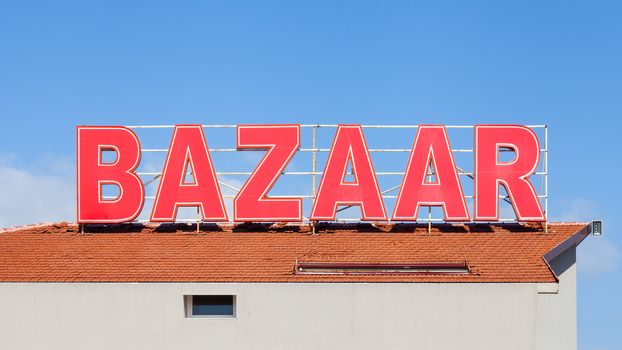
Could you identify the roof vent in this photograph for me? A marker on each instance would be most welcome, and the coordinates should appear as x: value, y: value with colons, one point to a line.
x: 380, y: 268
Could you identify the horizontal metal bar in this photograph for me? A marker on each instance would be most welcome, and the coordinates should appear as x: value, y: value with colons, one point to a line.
x: 147, y: 173
x: 372, y: 126
x: 412, y: 126
x: 309, y: 173
x: 365, y: 126
x: 472, y: 174
x: 314, y: 150
x: 310, y: 197
x: 371, y: 150
x: 173, y: 126
x: 150, y: 126
x: 224, y: 196
x: 150, y: 150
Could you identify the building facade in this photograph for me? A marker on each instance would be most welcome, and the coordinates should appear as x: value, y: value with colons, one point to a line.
x: 504, y: 286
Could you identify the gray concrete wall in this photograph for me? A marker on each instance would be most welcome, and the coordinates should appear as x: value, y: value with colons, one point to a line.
x: 291, y: 316
x: 557, y: 312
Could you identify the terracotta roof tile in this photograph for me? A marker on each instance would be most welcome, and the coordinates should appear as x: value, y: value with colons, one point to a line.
x: 247, y: 253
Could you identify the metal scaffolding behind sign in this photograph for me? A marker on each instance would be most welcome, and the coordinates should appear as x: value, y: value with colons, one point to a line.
x: 316, y: 141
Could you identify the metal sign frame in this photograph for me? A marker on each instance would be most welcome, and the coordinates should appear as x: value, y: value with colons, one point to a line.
x: 151, y: 177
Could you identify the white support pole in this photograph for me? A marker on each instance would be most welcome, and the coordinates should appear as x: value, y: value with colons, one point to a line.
x: 546, y: 178
x: 314, y: 168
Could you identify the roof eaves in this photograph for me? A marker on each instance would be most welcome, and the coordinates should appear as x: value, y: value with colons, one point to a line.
x: 572, y: 241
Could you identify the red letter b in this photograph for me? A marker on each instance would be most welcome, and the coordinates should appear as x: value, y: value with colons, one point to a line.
x: 93, y: 173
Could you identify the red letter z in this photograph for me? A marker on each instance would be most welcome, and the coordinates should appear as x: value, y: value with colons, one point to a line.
x: 252, y: 203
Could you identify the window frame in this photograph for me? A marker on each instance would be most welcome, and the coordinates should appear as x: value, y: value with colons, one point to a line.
x: 188, y: 302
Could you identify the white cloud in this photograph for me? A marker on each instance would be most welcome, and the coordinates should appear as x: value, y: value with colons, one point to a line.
x: 28, y: 197
x: 44, y: 190
x: 597, y: 256
x: 576, y: 209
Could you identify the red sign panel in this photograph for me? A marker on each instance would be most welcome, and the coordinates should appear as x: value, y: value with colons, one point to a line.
x: 430, y: 178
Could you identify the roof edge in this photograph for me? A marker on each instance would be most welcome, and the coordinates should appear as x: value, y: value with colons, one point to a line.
x: 572, y: 241
x: 303, y: 227
x: 31, y: 226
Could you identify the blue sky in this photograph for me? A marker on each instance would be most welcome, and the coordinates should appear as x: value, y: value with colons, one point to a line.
x: 558, y: 63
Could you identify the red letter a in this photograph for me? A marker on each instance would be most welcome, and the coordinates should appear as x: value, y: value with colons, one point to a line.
x: 188, y: 150
x: 349, y: 146
x: 431, y: 148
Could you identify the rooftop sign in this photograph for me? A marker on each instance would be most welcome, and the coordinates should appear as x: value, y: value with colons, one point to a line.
x: 430, y: 176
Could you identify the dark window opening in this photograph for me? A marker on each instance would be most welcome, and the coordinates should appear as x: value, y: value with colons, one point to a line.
x: 210, y: 305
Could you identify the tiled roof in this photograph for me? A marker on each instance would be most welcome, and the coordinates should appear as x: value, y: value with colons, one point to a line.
x: 136, y: 253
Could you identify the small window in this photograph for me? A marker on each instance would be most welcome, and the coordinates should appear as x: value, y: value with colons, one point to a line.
x: 210, y: 305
